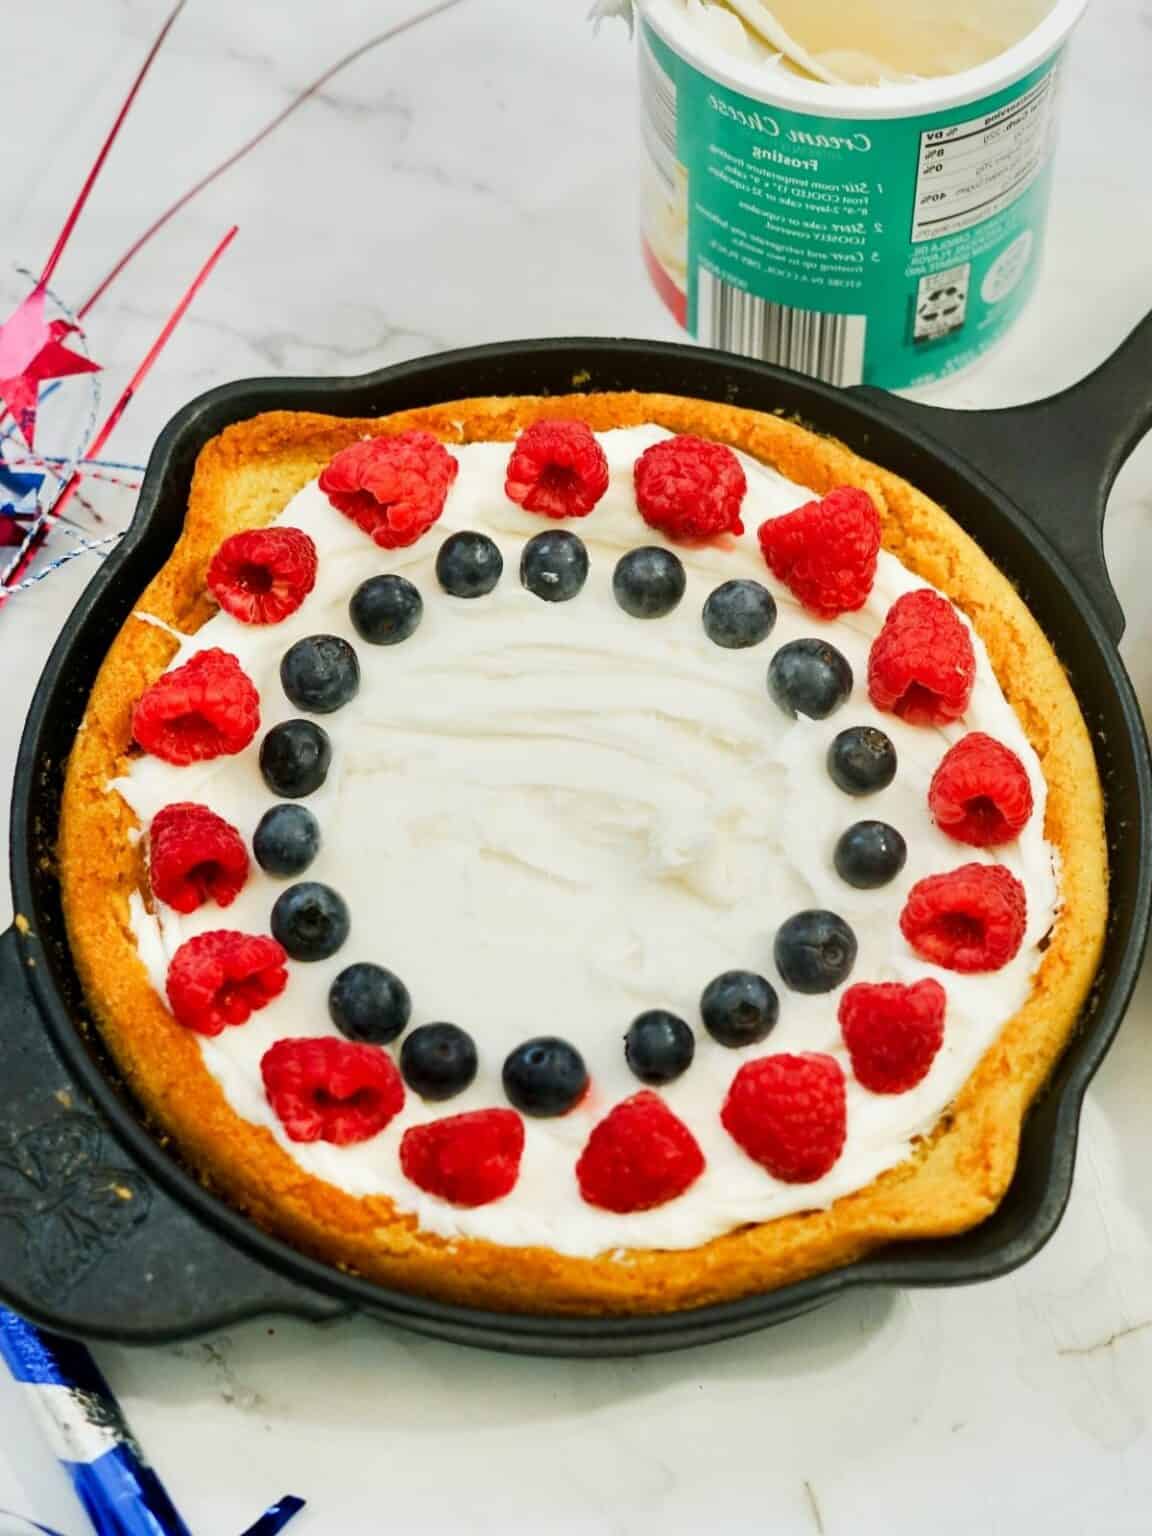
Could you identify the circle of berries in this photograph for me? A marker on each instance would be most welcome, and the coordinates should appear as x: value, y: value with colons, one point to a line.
x: 787, y: 1112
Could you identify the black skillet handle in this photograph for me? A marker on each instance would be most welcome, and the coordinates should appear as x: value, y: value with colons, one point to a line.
x: 1057, y: 458
x: 90, y: 1245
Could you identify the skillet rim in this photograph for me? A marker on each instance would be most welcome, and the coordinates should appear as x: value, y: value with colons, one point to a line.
x: 568, y: 363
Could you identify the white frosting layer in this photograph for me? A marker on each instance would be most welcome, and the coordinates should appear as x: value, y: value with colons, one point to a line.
x: 839, y: 42
x: 753, y: 36
x: 547, y: 818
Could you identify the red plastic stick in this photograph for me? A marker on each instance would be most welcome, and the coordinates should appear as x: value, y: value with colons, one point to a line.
x: 90, y: 181
x: 258, y: 138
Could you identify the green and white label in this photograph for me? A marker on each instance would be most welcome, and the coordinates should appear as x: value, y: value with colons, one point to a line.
x: 889, y: 251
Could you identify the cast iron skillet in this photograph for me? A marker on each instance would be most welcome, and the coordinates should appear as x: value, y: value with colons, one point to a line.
x: 104, y: 1233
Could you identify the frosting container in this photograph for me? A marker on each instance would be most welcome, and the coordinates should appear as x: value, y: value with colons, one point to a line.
x: 884, y: 234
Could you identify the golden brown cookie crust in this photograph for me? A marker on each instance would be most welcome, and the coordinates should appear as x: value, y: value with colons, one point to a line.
x: 957, y: 1175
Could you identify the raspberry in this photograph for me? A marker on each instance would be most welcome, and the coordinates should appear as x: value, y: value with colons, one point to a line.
x: 825, y: 551
x: 971, y: 919
x: 789, y: 1114
x: 195, y: 856
x: 981, y: 794
x: 922, y: 664
x: 892, y: 1032
x: 324, y: 1089
x: 558, y: 469
x: 206, y: 708
x: 262, y: 576
x: 392, y: 487
x: 639, y: 1156
x: 223, y: 977
x: 469, y: 1159
x: 690, y: 489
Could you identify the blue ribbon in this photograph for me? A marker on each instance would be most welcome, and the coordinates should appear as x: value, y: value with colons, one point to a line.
x: 31, y: 1525
x: 276, y: 1517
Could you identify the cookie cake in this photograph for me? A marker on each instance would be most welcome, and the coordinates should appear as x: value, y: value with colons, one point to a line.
x: 594, y: 854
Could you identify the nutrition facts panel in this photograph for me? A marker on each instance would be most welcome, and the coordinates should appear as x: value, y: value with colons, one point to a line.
x: 970, y: 171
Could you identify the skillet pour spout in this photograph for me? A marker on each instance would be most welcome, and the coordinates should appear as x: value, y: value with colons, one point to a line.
x: 105, y: 1233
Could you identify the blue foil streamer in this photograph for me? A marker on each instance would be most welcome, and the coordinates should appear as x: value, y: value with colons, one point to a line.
x: 121, y: 1494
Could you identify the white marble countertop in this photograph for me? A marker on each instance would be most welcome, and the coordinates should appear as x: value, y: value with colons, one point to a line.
x: 470, y: 182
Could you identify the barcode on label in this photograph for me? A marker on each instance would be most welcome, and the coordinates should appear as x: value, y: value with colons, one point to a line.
x: 658, y: 114
x: 829, y: 347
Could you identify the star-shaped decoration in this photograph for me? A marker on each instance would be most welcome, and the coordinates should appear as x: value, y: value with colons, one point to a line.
x: 13, y: 530
x: 31, y: 352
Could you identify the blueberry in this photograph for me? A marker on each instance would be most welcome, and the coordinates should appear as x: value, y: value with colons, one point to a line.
x: 809, y: 677
x: 369, y: 1004
x: 468, y: 565
x: 739, y: 1008
x: 385, y: 610
x: 295, y: 758
x: 554, y: 565
x: 320, y: 673
x: 286, y: 840
x: 815, y: 951
x: 438, y: 1061
x: 739, y: 614
x: 659, y: 1046
x: 310, y: 920
x: 649, y: 582
x: 545, y: 1076
x: 869, y: 854
x: 861, y: 760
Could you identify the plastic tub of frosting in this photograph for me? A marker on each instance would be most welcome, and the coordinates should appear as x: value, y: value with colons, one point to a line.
x: 882, y: 224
